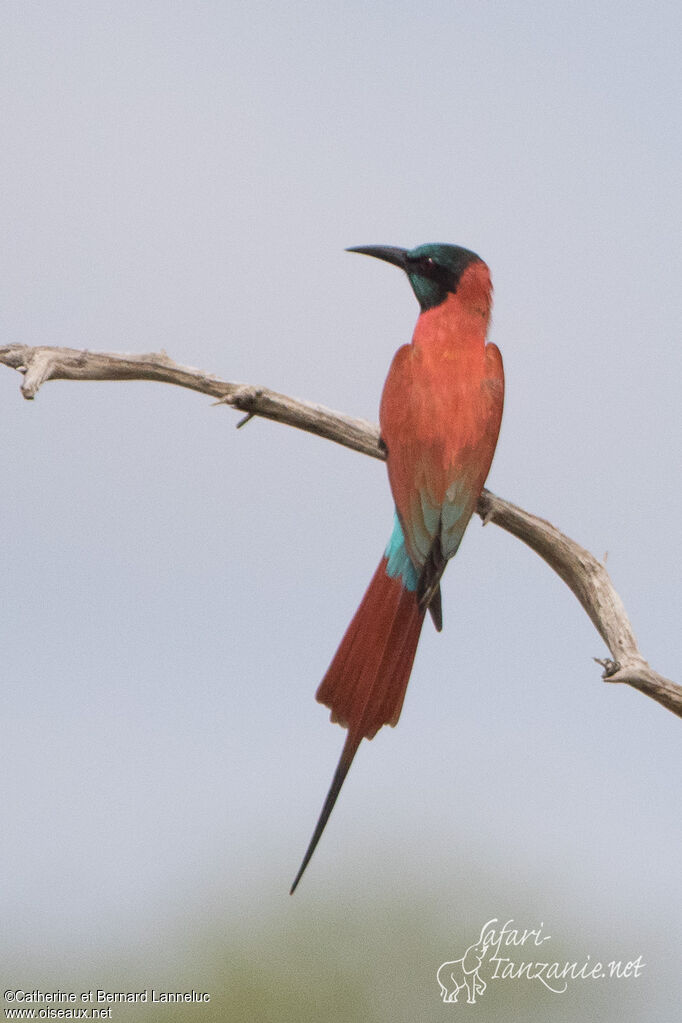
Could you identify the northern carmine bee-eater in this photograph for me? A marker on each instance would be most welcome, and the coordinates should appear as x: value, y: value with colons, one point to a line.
x: 440, y: 416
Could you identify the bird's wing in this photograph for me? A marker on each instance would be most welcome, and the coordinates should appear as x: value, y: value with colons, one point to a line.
x: 440, y: 425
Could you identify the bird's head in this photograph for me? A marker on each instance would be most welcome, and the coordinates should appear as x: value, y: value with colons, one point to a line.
x: 436, y: 270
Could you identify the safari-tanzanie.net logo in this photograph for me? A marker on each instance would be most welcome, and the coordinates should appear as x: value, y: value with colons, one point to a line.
x: 508, y: 953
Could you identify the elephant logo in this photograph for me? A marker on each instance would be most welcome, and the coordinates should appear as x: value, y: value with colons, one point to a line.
x: 463, y: 973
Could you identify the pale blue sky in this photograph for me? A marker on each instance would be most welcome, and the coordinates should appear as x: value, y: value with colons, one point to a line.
x: 187, y: 176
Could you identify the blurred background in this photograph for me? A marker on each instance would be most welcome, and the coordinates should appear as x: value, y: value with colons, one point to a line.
x: 186, y: 177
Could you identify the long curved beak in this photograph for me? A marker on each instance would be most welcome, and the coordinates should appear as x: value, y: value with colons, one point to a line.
x: 389, y: 253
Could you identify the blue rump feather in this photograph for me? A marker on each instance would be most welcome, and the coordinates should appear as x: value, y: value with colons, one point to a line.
x: 399, y: 563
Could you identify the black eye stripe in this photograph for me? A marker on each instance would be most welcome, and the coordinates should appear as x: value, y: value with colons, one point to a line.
x: 436, y: 270
x: 425, y: 265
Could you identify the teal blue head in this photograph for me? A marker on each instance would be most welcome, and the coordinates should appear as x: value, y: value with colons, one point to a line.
x: 434, y: 270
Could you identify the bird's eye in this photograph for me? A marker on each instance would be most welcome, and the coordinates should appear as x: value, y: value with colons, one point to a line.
x: 426, y: 264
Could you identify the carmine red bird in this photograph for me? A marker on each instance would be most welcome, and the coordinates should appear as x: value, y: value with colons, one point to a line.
x: 440, y: 417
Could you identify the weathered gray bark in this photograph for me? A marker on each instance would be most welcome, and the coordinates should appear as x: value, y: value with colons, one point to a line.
x: 582, y: 573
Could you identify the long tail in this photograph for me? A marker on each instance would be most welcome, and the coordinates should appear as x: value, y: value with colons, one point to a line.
x: 365, y: 684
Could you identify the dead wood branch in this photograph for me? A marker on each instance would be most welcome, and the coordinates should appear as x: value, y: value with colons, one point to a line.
x: 582, y: 573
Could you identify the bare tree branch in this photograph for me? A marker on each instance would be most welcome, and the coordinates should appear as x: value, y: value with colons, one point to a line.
x: 582, y: 573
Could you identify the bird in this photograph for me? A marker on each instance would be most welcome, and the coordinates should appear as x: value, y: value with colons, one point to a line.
x: 440, y: 417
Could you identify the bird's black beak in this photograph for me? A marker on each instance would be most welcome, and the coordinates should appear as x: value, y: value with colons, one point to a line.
x: 389, y: 253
